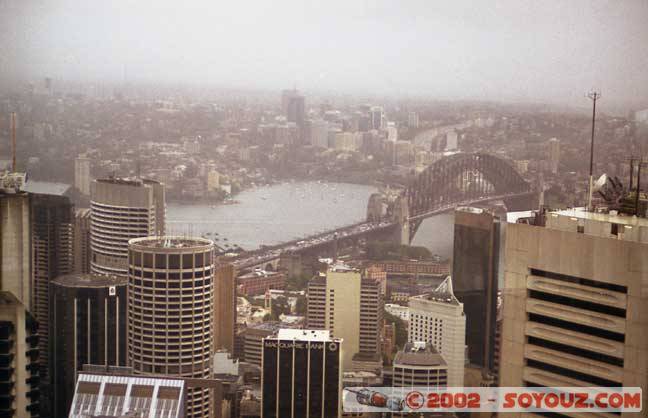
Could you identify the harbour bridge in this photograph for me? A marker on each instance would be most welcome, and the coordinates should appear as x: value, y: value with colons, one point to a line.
x: 457, y: 180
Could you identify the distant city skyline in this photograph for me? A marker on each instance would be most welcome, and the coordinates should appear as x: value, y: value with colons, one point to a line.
x: 506, y: 50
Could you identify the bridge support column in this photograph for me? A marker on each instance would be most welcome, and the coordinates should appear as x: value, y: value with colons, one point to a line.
x: 400, y: 216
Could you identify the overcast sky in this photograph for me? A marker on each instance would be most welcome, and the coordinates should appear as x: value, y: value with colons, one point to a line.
x: 548, y: 50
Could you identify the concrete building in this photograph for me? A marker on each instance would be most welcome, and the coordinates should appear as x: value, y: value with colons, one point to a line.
x: 413, y: 120
x: 475, y: 272
x: 293, y: 106
x: 398, y: 311
x: 451, y: 141
x: 171, y: 312
x: 224, y: 306
x: 419, y: 364
x: 122, y: 209
x: 259, y: 281
x: 377, y: 118
x: 82, y: 177
x: 351, y: 308
x: 19, y: 360
x: 253, y: 340
x: 16, y: 250
x: 319, y: 133
x: 438, y: 318
x: 554, y: 155
x: 301, y: 376
x: 82, y: 240
x: 87, y: 326
x: 574, y: 303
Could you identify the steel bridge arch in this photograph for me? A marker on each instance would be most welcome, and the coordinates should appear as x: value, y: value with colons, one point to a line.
x: 435, y: 187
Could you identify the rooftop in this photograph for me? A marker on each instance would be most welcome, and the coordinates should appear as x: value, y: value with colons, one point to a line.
x: 304, y: 334
x: 90, y: 280
x: 612, y: 217
x: 46, y: 187
x: 419, y: 354
x: 127, y: 181
x: 171, y: 242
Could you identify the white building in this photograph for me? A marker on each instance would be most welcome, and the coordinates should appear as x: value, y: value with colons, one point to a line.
x: 82, y: 174
x: 438, y: 318
x: 451, y: 141
x: 554, y: 155
x: 399, y: 311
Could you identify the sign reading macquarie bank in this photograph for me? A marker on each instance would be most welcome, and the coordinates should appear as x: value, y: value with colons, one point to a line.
x: 301, y: 375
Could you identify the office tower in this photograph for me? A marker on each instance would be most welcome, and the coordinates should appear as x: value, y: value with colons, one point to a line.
x: 120, y: 396
x: 293, y: 107
x: 301, y: 375
x: 351, y: 308
x: 15, y: 235
x: 253, y: 340
x: 122, y: 209
x: 377, y: 118
x: 82, y: 174
x: 413, y: 120
x: 224, y: 306
x: 82, y: 240
x: 475, y: 272
x: 87, y: 326
x: 438, y: 318
x: 451, y: 141
x: 171, y: 312
x: 319, y: 133
x: 419, y: 364
x: 554, y: 155
x: 19, y: 360
x: 574, y: 302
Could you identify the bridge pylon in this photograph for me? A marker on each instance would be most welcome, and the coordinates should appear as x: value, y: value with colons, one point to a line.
x: 400, y: 216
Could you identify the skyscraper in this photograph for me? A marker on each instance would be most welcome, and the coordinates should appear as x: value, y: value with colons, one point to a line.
x: 82, y: 240
x: 377, y: 117
x: 438, y: 318
x: 87, y: 326
x: 475, y: 273
x: 293, y: 107
x: 171, y: 312
x: 122, y: 209
x: 301, y: 375
x: 554, y: 155
x: 419, y: 364
x: 574, y: 307
x: 224, y: 306
x: 19, y: 360
x: 82, y: 174
x: 351, y: 308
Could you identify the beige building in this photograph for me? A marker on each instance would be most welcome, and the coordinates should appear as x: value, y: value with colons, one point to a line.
x: 224, y: 306
x: 351, y: 308
x: 82, y: 241
x: 213, y: 181
x: 82, y: 174
x: 122, y: 209
x: 15, y: 248
x: 575, y: 309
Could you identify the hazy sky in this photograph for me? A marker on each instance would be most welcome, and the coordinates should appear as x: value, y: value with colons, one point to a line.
x: 539, y: 50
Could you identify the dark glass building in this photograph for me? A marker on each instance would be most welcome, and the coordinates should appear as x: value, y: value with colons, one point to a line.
x: 301, y: 375
x: 475, y: 272
x: 87, y: 326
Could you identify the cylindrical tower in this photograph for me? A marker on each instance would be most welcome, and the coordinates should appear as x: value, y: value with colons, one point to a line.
x: 171, y: 311
x: 122, y: 209
x: 87, y: 326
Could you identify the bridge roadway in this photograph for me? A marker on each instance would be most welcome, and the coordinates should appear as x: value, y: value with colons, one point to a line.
x: 270, y: 253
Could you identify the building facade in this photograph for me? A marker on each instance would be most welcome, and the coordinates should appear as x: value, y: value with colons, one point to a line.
x: 82, y: 177
x: 301, y: 375
x: 87, y: 326
x: 171, y: 312
x: 82, y: 240
x: 122, y: 209
x: 438, y: 318
x: 419, y: 364
x: 574, y: 302
x: 224, y: 306
x: 258, y: 282
x: 350, y: 307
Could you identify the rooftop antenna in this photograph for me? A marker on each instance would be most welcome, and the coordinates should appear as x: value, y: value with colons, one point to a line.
x: 594, y: 96
x: 13, y: 141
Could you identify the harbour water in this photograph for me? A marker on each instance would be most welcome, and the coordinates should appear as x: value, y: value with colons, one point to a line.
x: 273, y: 214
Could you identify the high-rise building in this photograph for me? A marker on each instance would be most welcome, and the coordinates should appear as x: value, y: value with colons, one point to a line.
x: 82, y: 240
x: 451, y: 141
x: 574, y: 302
x: 122, y: 209
x: 171, y: 312
x: 15, y: 248
x: 419, y: 364
x: 318, y: 133
x: 351, y: 308
x: 554, y: 155
x: 293, y: 107
x: 377, y: 117
x: 52, y: 256
x: 19, y: 360
x: 82, y: 177
x: 413, y: 120
x: 438, y: 318
x: 224, y: 306
x: 475, y: 272
x: 87, y: 326
x: 301, y: 375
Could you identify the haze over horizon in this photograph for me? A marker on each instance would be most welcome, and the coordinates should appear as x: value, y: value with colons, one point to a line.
x: 549, y: 51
